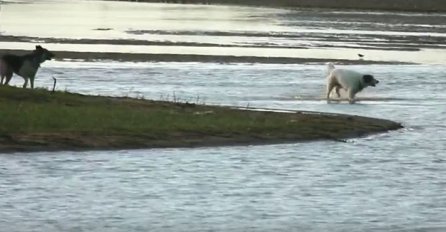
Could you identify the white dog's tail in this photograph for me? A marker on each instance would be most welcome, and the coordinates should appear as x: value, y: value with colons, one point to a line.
x: 330, y: 67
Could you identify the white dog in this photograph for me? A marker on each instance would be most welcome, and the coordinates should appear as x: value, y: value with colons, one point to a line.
x: 351, y: 81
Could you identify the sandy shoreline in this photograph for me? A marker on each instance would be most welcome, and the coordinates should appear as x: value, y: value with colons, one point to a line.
x: 407, y: 43
x: 388, y: 5
x: 286, y: 36
x: 130, y: 57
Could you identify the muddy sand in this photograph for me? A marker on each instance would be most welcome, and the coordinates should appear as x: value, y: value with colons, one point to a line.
x: 95, y: 56
x: 393, y: 5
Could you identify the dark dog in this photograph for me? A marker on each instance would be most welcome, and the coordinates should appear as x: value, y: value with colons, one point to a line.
x: 25, y: 66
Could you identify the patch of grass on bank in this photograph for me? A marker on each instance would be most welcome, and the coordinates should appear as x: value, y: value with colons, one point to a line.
x: 40, y: 120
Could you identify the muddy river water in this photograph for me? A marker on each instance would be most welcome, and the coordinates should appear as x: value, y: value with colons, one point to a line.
x: 388, y: 182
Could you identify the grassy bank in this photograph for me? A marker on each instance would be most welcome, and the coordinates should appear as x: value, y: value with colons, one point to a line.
x: 391, y: 5
x: 35, y: 120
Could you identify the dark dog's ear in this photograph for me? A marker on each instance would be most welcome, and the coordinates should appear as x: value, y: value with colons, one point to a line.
x: 50, y: 55
x: 367, y: 78
x: 38, y: 47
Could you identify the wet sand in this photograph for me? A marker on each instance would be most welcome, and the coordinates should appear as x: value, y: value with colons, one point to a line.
x: 405, y: 43
x: 393, y: 5
x: 94, y: 56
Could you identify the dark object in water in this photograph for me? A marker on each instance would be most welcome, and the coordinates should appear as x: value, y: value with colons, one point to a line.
x: 103, y: 29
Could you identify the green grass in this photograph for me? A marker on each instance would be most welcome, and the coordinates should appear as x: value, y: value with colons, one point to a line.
x: 38, y: 120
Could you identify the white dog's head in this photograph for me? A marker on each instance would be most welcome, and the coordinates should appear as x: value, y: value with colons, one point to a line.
x: 369, y: 80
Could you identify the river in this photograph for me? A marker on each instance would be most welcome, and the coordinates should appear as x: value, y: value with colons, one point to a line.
x: 387, y: 182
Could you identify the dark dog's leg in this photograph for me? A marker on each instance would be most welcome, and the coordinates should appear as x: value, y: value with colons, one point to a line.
x: 3, y: 71
x: 26, y: 82
x: 31, y: 80
x: 8, y: 76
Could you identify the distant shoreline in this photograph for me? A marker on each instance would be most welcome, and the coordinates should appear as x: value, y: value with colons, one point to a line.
x: 131, y: 57
x: 387, y: 5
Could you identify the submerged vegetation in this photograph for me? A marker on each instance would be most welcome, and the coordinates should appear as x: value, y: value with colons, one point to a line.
x: 41, y: 120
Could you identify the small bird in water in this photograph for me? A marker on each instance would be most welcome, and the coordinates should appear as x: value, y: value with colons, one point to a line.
x: 360, y: 56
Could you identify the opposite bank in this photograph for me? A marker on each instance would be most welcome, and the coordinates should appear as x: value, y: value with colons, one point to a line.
x: 391, y: 5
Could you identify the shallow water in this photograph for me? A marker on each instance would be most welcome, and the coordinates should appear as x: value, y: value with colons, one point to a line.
x: 388, y: 182
x: 209, y: 30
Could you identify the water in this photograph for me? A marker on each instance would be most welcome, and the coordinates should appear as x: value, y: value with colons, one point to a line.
x: 388, y: 182
x: 310, y: 186
x: 99, y: 26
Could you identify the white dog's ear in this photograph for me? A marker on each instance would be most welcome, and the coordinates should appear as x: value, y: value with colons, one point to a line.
x: 368, y: 78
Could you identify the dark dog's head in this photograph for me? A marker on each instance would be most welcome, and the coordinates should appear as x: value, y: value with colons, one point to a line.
x: 369, y: 80
x: 43, y: 53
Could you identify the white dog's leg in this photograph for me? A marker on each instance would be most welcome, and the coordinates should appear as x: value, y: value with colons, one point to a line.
x: 330, y: 87
x: 351, y: 96
x: 337, y: 91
